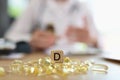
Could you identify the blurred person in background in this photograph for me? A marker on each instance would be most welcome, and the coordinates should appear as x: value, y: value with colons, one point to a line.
x: 46, y: 21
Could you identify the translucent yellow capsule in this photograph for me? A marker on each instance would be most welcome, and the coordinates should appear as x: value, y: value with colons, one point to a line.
x: 27, y: 69
x: 81, y: 68
x: 40, y: 71
x: 40, y: 61
x: 89, y: 62
x: 99, y: 67
x: 46, y: 61
x: 67, y: 60
x: 50, y: 70
x: 2, y: 71
x: 58, y: 68
x: 66, y: 70
x: 34, y: 70
x: 17, y: 62
x: 74, y: 66
x: 16, y: 66
x: 33, y: 62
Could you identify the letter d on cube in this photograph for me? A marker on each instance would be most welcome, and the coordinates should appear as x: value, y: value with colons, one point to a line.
x: 57, y: 56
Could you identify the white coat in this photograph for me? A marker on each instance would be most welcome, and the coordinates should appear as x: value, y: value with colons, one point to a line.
x: 42, y: 12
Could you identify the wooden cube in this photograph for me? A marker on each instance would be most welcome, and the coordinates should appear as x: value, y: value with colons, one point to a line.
x: 57, y: 56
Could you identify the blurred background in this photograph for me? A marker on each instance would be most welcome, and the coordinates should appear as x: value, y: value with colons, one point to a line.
x: 106, y: 14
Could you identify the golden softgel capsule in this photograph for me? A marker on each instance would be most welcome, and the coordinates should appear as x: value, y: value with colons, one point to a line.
x: 2, y: 71
x: 99, y: 67
x: 16, y: 66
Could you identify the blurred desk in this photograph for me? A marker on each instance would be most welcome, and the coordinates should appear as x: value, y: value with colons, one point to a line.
x: 113, y: 72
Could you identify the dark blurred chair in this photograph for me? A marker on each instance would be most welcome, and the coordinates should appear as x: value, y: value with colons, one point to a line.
x: 23, y: 47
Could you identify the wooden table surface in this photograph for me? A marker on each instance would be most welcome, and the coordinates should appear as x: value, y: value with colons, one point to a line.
x: 112, y: 74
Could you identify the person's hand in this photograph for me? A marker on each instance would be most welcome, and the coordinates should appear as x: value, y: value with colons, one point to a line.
x: 42, y: 40
x: 75, y: 34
